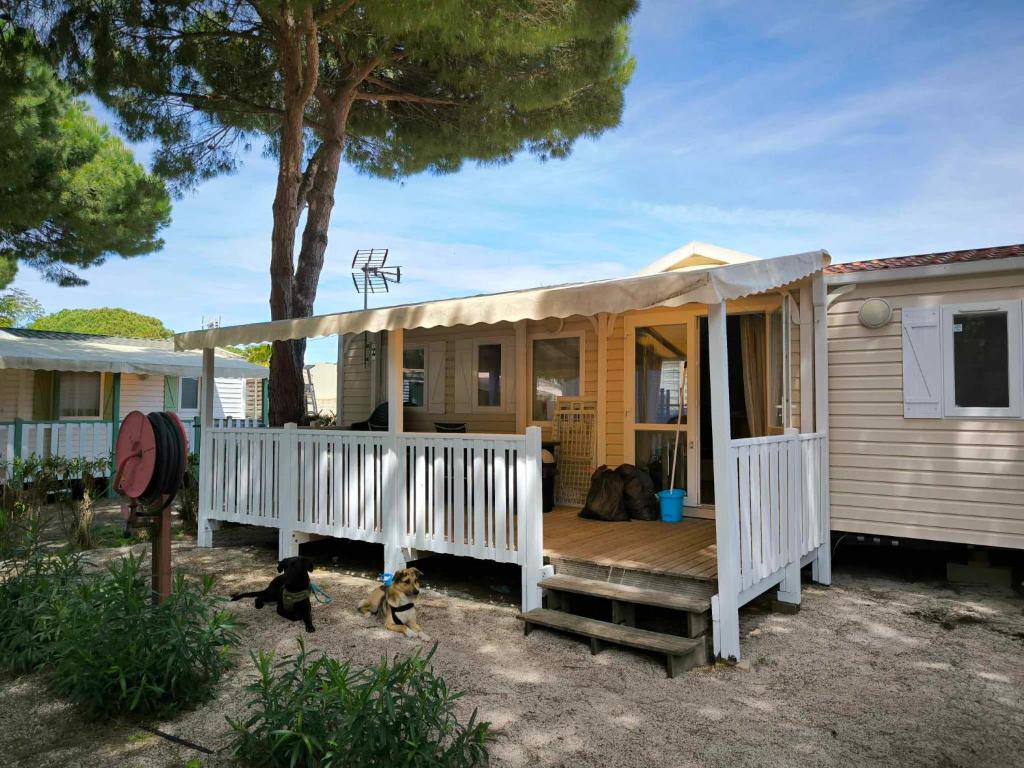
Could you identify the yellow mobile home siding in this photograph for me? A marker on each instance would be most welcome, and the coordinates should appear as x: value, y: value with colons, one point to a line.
x: 950, y: 479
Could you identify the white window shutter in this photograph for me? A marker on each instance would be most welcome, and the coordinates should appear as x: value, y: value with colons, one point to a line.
x: 922, y: 363
x: 464, y: 368
x: 435, y: 376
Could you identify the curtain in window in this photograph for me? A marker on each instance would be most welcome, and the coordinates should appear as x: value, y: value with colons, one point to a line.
x: 752, y: 347
x: 79, y: 395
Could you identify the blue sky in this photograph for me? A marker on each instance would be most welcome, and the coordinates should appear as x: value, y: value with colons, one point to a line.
x: 874, y: 128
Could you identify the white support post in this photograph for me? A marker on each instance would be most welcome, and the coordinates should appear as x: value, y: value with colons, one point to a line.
x: 206, y: 526
x: 602, y: 389
x: 789, y: 589
x: 806, y: 361
x: 394, y: 465
x: 339, y: 408
x: 533, y: 508
x: 288, y: 539
x: 822, y: 566
x: 725, y: 605
x: 523, y: 391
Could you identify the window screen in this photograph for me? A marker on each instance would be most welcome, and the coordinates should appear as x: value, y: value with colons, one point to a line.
x: 556, y: 373
x: 981, y: 360
x: 414, y: 377
x: 189, y: 394
x: 488, y: 375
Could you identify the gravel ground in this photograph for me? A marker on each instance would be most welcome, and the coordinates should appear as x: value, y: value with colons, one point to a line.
x: 872, y: 671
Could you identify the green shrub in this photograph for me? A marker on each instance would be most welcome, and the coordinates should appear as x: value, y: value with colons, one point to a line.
x: 188, y: 496
x: 318, y: 712
x: 34, y: 597
x: 119, y: 653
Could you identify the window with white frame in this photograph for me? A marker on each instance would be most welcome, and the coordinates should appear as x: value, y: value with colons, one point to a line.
x: 188, y: 399
x: 963, y: 361
x: 81, y: 395
x: 414, y: 377
x: 557, y: 370
x: 982, y: 359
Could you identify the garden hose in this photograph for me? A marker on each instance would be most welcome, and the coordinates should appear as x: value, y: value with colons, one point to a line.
x: 171, y: 459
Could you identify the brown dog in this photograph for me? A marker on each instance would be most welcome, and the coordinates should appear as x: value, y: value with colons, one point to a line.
x: 395, y: 603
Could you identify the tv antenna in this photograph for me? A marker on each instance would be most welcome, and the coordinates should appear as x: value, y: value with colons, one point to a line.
x: 369, y: 275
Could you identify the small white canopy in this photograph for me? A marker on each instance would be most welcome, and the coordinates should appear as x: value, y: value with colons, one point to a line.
x: 708, y: 285
x: 107, y: 355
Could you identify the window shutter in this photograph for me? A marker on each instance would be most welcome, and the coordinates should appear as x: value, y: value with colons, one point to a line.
x: 170, y: 393
x: 464, y: 367
x: 435, y: 376
x: 922, y: 363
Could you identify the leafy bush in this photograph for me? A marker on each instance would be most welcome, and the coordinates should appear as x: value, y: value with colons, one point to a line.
x: 188, y: 496
x: 30, y: 483
x: 121, y: 654
x: 34, y: 596
x: 100, y: 640
x: 319, y: 712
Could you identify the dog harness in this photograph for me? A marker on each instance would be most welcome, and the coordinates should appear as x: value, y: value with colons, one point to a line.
x: 395, y: 611
x: 290, y: 599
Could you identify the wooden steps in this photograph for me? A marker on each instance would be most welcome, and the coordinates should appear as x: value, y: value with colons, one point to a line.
x: 694, y: 601
x: 681, y: 653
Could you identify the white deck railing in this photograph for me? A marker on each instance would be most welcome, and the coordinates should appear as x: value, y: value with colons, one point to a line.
x: 193, y: 432
x: 779, y: 519
x: 471, y: 495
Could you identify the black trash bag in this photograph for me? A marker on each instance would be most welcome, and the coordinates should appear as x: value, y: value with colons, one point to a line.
x: 604, y: 500
x: 638, y: 495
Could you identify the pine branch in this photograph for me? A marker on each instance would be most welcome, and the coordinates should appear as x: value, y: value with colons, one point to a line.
x: 410, y: 98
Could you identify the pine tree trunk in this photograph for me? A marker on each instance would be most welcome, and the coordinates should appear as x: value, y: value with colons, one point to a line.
x: 285, y: 388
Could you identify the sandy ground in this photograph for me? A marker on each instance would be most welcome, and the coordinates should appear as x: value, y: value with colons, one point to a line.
x: 872, y: 671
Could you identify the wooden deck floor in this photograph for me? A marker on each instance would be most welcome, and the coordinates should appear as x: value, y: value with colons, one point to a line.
x: 678, y: 549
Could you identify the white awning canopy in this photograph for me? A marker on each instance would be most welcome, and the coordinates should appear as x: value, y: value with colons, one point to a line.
x: 107, y: 355
x: 666, y: 289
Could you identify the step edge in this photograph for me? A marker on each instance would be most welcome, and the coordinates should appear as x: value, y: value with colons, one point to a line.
x: 691, y: 643
x: 699, y: 605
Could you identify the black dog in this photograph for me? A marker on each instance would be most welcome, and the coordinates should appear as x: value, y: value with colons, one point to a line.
x: 290, y: 591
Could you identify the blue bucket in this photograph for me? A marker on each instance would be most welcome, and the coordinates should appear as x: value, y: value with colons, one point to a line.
x: 672, y: 505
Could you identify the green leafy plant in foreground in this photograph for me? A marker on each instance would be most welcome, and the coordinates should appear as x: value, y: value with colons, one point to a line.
x: 103, y: 644
x: 122, y: 654
x: 318, y: 712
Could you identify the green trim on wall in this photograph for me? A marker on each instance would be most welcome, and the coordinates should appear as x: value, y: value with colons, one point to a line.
x: 115, y: 425
x: 18, y: 434
x: 55, y: 397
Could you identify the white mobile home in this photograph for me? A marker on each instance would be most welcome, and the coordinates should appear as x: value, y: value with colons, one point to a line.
x: 66, y: 393
x: 926, y: 396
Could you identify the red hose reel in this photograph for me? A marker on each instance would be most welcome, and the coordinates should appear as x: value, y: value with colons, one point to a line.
x: 151, y: 456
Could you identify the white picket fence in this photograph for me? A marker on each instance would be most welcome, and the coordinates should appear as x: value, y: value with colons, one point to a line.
x: 89, y: 440
x: 778, y: 522
x: 470, y: 495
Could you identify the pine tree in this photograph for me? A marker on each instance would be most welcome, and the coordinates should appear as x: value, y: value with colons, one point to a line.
x: 391, y: 88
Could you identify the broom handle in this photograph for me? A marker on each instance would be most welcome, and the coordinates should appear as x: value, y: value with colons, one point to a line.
x: 679, y: 423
